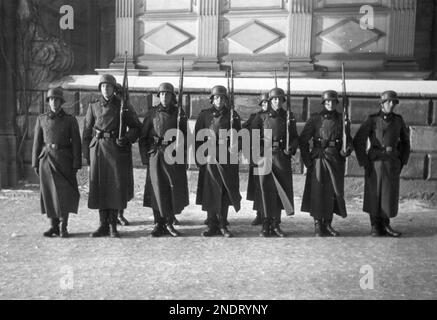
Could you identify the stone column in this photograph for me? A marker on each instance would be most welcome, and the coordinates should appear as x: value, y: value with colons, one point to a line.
x: 208, y: 32
x: 8, y: 144
x: 300, y: 33
x: 401, y: 34
x: 124, y: 33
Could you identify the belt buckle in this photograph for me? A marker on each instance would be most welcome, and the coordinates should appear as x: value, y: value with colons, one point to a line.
x: 389, y: 149
x: 53, y: 146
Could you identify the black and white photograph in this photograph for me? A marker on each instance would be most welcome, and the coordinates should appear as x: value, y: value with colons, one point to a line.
x: 219, y: 155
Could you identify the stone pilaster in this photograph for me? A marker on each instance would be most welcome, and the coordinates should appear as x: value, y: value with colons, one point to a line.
x: 125, y: 31
x: 402, y: 34
x: 208, y: 31
x: 300, y: 33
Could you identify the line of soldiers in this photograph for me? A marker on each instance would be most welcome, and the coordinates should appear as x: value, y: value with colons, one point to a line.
x: 382, y: 146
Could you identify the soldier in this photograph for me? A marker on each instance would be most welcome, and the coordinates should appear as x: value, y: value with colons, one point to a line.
x: 109, y: 156
x: 56, y: 158
x: 166, y: 190
x: 383, y: 162
x: 251, y: 184
x: 324, y: 187
x: 218, y: 185
x: 274, y: 190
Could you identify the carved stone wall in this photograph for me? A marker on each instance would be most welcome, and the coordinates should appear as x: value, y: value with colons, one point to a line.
x: 260, y: 36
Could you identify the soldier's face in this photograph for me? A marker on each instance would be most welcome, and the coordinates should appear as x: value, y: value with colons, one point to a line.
x: 107, y: 90
x: 55, y: 104
x: 219, y: 102
x: 330, y: 105
x: 265, y: 105
x: 388, y: 106
x: 276, y: 103
x: 165, y: 98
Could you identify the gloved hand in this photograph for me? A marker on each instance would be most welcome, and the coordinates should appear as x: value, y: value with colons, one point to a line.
x: 123, y: 142
x: 347, y: 153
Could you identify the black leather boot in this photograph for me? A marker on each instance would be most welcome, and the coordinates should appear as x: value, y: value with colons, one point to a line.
x: 171, y: 230
x: 103, y: 230
x: 121, y: 219
x: 377, y: 228
x: 389, y: 231
x: 318, y: 228
x: 113, y: 232
x: 225, y: 232
x: 329, y: 230
x: 158, y: 230
x: 258, y: 220
x: 211, y: 232
x: 276, y: 229
x: 54, y: 229
x: 64, y: 230
x: 265, y: 231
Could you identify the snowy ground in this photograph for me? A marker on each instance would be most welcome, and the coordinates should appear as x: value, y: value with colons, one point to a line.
x: 245, y: 267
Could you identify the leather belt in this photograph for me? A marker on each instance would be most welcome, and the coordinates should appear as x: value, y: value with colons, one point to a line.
x: 55, y: 146
x: 99, y: 134
x: 327, y: 144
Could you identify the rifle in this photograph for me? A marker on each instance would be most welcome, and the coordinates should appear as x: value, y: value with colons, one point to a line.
x: 288, y: 146
x: 276, y: 79
x: 344, y: 147
x: 125, y: 97
x: 180, y: 97
x: 231, y: 102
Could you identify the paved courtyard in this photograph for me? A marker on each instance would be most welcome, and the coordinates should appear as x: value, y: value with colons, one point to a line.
x: 245, y: 267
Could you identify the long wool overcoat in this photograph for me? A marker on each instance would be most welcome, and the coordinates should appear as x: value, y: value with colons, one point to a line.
x: 111, y: 172
x: 217, y: 180
x: 57, y: 154
x: 324, y: 186
x: 166, y: 188
x: 388, y: 153
x: 274, y: 191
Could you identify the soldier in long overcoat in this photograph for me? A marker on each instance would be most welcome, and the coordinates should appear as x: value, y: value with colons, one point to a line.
x: 274, y: 190
x: 109, y: 157
x: 251, y: 184
x: 56, y: 158
x: 218, y: 184
x: 166, y: 190
x: 383, y: 161
x: 324, y: 187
